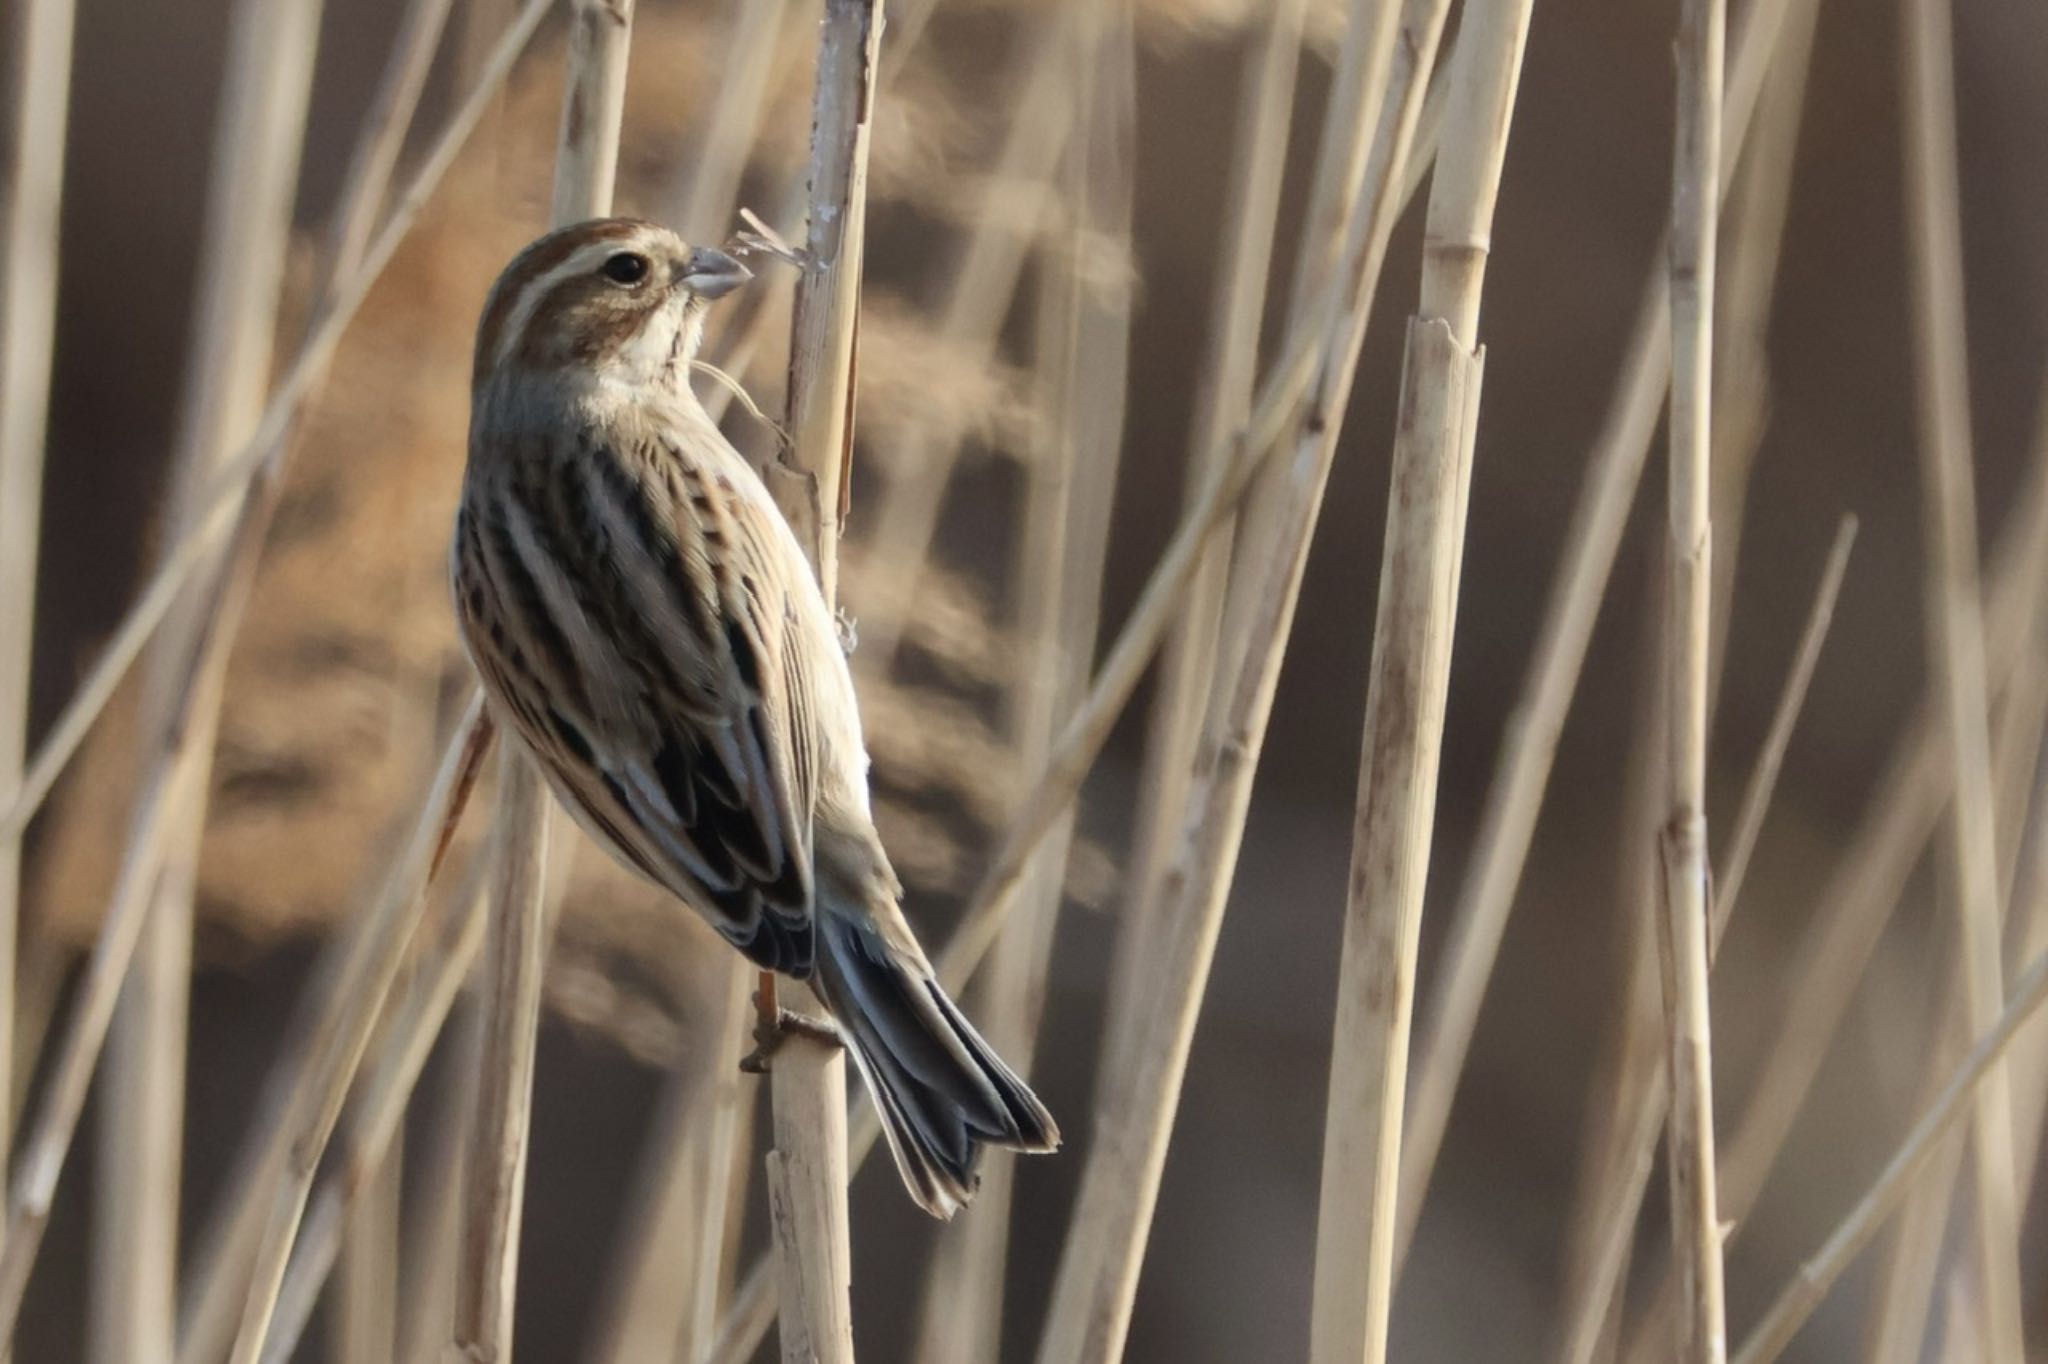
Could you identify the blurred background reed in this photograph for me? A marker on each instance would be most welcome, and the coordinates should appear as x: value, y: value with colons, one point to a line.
x: 1066, y: 282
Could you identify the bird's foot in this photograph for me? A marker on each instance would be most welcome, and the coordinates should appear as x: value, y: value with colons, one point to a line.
x: 772, y: 1030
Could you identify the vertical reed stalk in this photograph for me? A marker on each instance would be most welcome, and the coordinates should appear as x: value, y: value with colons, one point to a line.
x: 1683, y: 946
x: 494, y: 1176
x: 807, y: 1169
x: 1406, y: 695
x: 28, y: 322
x: 516, y: 943
x: 1956, y: 627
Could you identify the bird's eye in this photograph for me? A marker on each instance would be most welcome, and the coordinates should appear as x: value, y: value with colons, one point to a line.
x: 626, y: 267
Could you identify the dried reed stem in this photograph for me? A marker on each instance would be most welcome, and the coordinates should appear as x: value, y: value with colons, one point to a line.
x: 373, y: 1120
x: 257, y: 461
x: 1956, y: 628
x: 807, y: 1174
x: 366, y: 1304
x: 1514, y: 797
x: 1223, y: 399
x: 1406, y: 694
x: 28, y: 322
x: 1798, y: 1299
x: 1083, y: 364
x: 1098, y: 1274
x: 1770, y: 759
x: 336, y: 1048
x: 1683, y: 945
x: 811, y: 478
x: 671, y: 1243
x: 253, y: 179
x: 494, y: 1185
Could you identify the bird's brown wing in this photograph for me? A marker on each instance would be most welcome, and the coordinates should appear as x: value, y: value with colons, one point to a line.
x: 669, y: 719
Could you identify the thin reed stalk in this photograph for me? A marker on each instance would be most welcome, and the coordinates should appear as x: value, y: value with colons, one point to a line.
x: 29, y: 233
x: 1683, y: 943
x: 516, y: 938
x: 1223, y: 399
x: 1867, y: 882
x: 1083, y: 366
x: 337, y: 1046
x: 811, y: 478
x: 494, y: 1177
x: 254, y: 174
x: 366, y: 1304
x: 1770, y: 760
x: 1514, y: 797
x: 1956, y: 627
x: 1795, y: 1303
x: 1407, y: 691
x: 372, y: 1124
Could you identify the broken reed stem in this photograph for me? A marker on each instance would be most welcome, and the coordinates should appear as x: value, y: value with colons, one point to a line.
x: 1223, y: 399
x: 1514, y: 797
x: 1082, y: 361
x: 1406, y: 695
x: 258, y: 462
x: 494, y: 1176
x: 1770, y: 760
x: 810, y: 478
x: 1097, y: 1280
x: 1956, y: 629
x: 807, y: 1175
x: 1682, y: 944
x: 28, y: 322
x: 336, y: 1047
x: 1798, y: 1298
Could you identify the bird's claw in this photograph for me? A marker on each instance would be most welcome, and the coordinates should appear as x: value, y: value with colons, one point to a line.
x: 771, y: 1033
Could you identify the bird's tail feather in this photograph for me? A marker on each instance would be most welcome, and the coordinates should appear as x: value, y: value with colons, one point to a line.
x: 942, y: 1092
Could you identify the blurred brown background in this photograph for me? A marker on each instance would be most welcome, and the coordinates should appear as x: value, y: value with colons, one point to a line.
x: 1584, y: 197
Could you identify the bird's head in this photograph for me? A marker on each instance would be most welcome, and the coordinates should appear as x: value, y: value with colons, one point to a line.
x: 613, y: 298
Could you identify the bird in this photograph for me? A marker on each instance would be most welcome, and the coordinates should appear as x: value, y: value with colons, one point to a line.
x: 648, y: 629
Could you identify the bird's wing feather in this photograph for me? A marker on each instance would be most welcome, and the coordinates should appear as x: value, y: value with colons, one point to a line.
x: 679, y: 736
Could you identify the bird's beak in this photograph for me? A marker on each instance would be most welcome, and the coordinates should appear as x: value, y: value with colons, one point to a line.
x: 713, y: 274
